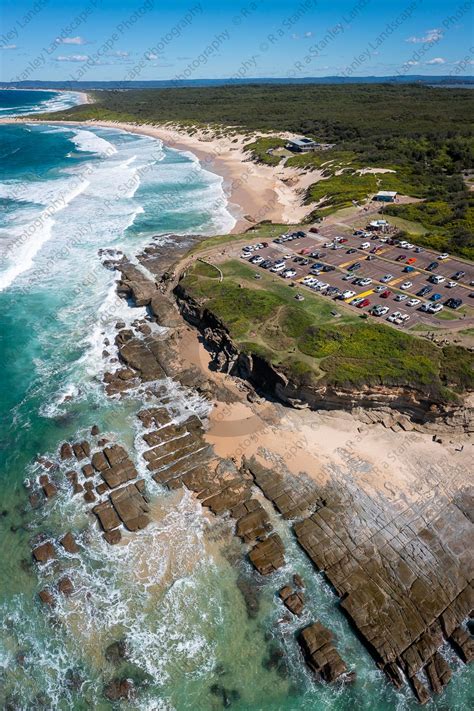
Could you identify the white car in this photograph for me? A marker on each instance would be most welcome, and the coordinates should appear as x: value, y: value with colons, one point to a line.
x: 287, y: 256
x: 380, y: 310
x: 409, y: 245
x: 393, y: 317
x: 245, y: 255
x: 257, y: 260
x: 365, y: 245
x: 365, y: 282
x: 386, y: 278
x: 278, y: 268
x: 401, y: 297
x: 403, y: 318
x: 347, y: 277
x: 327, y: 244
x: 379, y: 289
x: 347, y: 294
x: 437, y: 279
x: 435, y: 308
x: 403, y: 244
x: 288, y: 273
x: 356, y: 302
x: 406, y: 285
x: 451, y: 284
x: 445, y: 255
x: 413, y: 302
x: 309, y: 280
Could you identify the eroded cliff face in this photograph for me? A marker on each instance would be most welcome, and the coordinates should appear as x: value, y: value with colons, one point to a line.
x: 407, y: 407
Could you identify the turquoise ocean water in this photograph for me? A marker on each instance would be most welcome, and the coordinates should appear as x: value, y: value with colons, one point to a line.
x: 174, y: 592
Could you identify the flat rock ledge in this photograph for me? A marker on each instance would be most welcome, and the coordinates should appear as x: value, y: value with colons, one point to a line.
x: 179, y: 456
x: 404, y: 577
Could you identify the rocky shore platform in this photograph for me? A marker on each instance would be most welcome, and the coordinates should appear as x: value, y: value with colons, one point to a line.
x: 401, y: 570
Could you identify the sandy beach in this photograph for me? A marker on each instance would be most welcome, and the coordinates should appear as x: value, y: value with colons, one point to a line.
x: 255, y: 192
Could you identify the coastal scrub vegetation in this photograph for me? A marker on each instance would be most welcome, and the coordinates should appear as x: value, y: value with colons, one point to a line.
x: 424, y: 134
x: 314, y: 341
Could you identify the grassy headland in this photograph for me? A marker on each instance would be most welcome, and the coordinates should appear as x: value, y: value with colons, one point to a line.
x: 307, y: 341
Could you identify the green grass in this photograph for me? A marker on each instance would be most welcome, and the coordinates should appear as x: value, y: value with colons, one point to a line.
x: 258, y: 149
x: 305, y: 341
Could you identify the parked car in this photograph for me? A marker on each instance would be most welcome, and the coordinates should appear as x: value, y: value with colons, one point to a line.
x: 385, y: 294
x: 406, y: 285
x: 459, y: 275
x: 401, y: 297
x: 256, y: 260
x: 278, y: 267
x: 365, y: 245
x: 347, y: 294
x: 347, y: 277
x: 363, y: 303
x: 451, y: 284
x: 454, y: 303
x: 445, y: 255
x: 412, y: 260
x: 288, y: 273
x: 329, y: 268
x: 351, y: 251
x: 431, y: 267
x: 409, y: 269
x: 435, y: 297
x: 266, y: 264
x: 418, y: 250
x: 401, y: 258
x: 393, y: 317
x: 413, y: 302
x: 356, y: 302
x: 402, y: 319
x: 379, y: 289
x: 435, y: 308
x: 436, y: 279
x: 380, y: 310
x: 424, y: 290
x: 366, y: 281
x: 386, y: 278
x: 354, y: 267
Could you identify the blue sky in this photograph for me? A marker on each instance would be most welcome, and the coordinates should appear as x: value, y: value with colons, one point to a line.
x: 151, y: 39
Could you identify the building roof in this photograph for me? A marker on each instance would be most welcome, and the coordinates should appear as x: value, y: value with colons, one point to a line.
x: 386, y: 193
x: 301, y: 141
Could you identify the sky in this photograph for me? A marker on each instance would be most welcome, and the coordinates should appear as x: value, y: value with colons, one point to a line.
x: 138, y: 40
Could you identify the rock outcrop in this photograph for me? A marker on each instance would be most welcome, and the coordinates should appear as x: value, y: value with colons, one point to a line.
x: 321, y: 656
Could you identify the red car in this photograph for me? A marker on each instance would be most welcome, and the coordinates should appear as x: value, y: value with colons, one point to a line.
x: 363, y: 304
x: 306, y: 250
x: 385, y: 294
x: 401, y: 257
x: 412, y: 260
x: 313, y: 229
x: 343, y: 240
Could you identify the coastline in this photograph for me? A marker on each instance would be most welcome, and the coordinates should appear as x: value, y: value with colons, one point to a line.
x: 255, y: 192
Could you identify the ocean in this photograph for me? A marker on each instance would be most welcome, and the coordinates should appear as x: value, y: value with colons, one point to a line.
x: 175, y: 592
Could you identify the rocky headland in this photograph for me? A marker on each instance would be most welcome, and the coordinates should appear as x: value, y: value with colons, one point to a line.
x: 401, y: 571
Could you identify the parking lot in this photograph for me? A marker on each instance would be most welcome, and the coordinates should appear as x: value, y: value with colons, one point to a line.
x: 395, y: 274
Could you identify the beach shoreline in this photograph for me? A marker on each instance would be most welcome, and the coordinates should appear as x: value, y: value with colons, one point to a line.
x: 255, y: 192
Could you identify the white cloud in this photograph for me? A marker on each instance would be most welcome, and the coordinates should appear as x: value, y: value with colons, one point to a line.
x: 73, y: 58
x: 308, y: 34
x: 8, y: 46
x: 118, y: 53
x: 151, y: 56
x: 412, y: 63
x: 433, y: 35
x: 436, y: 60
x: 71, y: 40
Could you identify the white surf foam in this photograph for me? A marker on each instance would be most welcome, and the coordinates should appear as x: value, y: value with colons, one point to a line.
x: 92, y: 143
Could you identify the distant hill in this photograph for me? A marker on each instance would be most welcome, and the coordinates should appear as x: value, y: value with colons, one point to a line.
x: 84, y: 85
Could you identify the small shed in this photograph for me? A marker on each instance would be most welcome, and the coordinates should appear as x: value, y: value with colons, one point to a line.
x: 385, y: 196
